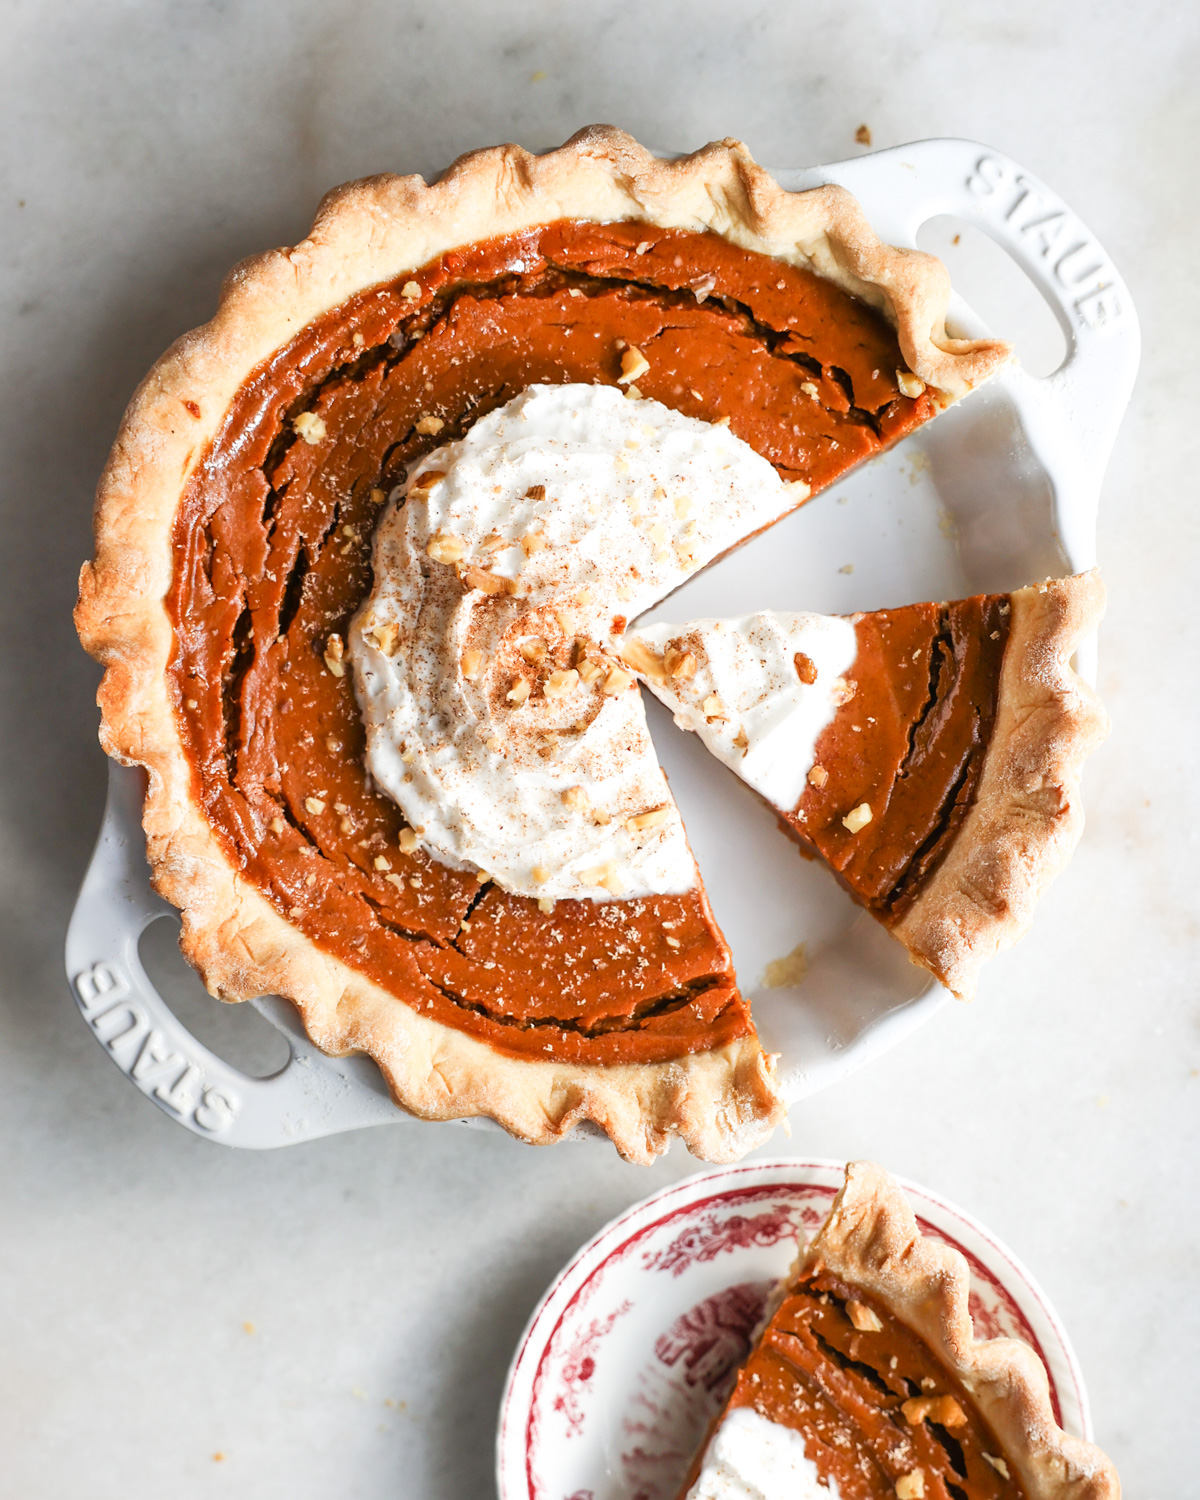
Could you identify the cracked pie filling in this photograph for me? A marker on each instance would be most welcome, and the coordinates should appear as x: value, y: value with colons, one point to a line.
x: 272, y: 549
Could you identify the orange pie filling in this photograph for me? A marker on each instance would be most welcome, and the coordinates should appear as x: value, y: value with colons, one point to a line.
x: 878, y: 1413
x: 272, y: 558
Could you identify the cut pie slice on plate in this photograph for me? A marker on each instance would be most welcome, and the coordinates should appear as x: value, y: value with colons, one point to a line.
x: 930, y: 755
x: 363, y: 549
x: 866, y: 1380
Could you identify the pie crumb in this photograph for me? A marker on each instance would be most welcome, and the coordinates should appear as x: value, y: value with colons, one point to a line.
x: 784, y: 973
x: 863, y: 135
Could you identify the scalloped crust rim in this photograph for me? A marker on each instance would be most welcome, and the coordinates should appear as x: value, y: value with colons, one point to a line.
x: 1027, y: 816
x: 871, y: 1240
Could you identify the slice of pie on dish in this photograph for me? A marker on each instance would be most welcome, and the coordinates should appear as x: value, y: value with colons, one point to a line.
x: 867, y: 1381
x: 930, y: 755
x: 363, y: 549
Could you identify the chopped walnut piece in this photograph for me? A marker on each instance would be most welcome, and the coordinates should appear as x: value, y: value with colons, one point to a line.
x: 638, y: 655
x: 484, y: 581
x: 589, y: 671
x: 277, y: 825
x: 818, y: 776
x: 378, y: 497
x: 386, y: 636
x: 494, y: 542
x: 539, y: 874
x: 430, y: 426
x: 864, y: 1318
x: 314, y: 805
x: 536, y: 492
x: 740, y: 740
x: 911, y: 1486
x: 411, y: 290
x: 423, y: 483
x: 534, y: 541
x: 576, y: 799
x: 545, y: 905
x: 683, y: 507
x: 673, y: 942
x: 605, y: 876
x: 519, y: 691
x: 632, y: 393
x: 533, y: 649
x: 472, y: 664
x: 844, y: 688
x: 310, y: 427
x: 445, y: 547
x: 714, y: 708
x: 335, y: 650
x: 806, y: 668
x: 561, y: 684
x: 863, y: 135
x: 381, y: 862
x: 681, y: 665
x: 810, y: 390
x: 997, y: 1463
x: 858, y: 817
x: 633, y: 364
x: 651, y: 819
x: 617, y: 681
x: 910, y: 385
x: 944, y: 1410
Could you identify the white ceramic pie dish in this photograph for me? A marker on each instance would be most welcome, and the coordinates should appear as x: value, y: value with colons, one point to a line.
x: 625, y: 1359
x: 1000, y: 491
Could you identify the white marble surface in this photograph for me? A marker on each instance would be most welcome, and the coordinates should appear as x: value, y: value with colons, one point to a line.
x: 386, y: 1276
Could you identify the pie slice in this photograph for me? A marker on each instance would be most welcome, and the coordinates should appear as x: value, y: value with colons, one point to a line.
x: 866, y: 1380
x: 930, y: 755
x: 366, y: 699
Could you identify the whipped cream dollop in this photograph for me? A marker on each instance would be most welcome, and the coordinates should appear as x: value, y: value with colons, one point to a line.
x: 497, y: 712
x: 752, y: 1458
x: 757, y: 690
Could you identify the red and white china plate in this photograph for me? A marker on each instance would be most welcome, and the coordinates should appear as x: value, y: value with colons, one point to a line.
x: 629, y: 1353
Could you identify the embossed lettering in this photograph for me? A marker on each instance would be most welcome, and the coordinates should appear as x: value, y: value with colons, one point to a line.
x: 1099, y: 306
x: 99, y: 985
x: 1069, y: 255
x: 216, y: 1110
x: 1047, y: 230
x: 179, y: 1095
x: 137, y: 1023
x: 1028, y: 191
x: 152, y: 1059
x: 987, y: 176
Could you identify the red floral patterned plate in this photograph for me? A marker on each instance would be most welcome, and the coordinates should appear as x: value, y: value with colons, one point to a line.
x: 630, y: 1351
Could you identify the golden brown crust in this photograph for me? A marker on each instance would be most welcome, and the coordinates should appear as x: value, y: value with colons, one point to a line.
x: 1027, y: 816
x: 872, y: 1241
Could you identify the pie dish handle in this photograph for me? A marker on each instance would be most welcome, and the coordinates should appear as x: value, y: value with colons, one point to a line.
x: 1071, y: 416
x: 311, y: 1095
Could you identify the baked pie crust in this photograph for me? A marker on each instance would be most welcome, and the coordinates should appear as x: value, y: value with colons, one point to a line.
x: 367, y: 239
x: 873, y: 1280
